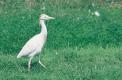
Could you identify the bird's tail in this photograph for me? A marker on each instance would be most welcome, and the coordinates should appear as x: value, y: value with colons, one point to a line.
x: 19, y: 56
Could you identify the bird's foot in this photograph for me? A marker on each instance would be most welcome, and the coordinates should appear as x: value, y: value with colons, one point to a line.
x: 42, y: 64
x: 28, y: 69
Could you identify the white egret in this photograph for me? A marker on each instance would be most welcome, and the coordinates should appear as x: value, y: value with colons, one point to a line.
x: 96, y: 13
x: 35, y: 44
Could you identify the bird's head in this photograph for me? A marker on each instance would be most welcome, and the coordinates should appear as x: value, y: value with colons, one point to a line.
x: 45, y: 17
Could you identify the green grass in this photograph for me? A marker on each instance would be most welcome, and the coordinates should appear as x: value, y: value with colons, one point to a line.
x: 92, y: 63
x: 73, y: 26
x: 80, y: 46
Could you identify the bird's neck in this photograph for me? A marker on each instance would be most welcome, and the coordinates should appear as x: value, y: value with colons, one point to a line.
x: 43, y: 27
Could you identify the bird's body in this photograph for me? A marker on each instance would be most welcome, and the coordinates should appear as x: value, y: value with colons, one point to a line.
x: 35, y: 44
x: 32, y: 46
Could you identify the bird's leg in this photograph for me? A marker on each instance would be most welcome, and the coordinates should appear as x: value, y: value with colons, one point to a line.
x: 29, y: 63
x: 42, y: 64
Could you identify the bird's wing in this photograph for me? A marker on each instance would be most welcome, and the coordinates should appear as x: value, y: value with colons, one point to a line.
x: 30, y: 46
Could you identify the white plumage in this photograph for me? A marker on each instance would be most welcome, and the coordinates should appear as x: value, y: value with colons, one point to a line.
x: 35, y: 44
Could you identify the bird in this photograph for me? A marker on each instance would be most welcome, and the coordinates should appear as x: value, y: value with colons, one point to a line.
x: 96, y: 13
x: 35, y: 45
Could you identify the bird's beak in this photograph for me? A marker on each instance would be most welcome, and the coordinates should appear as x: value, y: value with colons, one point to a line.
x: 51, y: 17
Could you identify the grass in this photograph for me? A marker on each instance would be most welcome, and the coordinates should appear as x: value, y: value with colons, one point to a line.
x: 74, y: 25
x: 80, y: 46
x: 90, y: 63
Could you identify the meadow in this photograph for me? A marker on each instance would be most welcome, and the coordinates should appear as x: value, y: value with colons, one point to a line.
x: 80, y: 46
